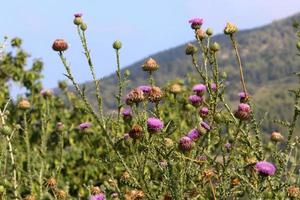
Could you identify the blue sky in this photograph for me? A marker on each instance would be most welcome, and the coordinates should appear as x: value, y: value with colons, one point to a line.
x: 144, y: 27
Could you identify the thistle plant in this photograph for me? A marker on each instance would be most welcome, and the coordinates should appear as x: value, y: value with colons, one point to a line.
x: 184, y: 140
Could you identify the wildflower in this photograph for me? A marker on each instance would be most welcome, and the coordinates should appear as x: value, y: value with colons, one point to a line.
x: 265, y: 168
x: 95, y: 190
x: 136, y: 131
x: 145, y: 88
x: 135, y: 96
x: 193, y: 134
x: 84, y: 126
x: 126, y: 136
x: 154, y: 125
x: 201, y: 158
x: 83, y: 26
x: 77, y: 20
x: 243, y: 112
x: 99, y: 196
x: 150, y: 65
x: 117, y: 45
x: 51, y: 182
x: 60, y: 45
x: 227, y: 146
x: 201, y: 34
x: 185, y: 143
x: 127, y: 114
x: 46, y: 93
x: 213, y: 86
x: 155, y: 94
x: 293, y: 191
x: 195, y: 100
x: 175, y: 88
x: 209, y: 31
x: 125, y: 176
x: 190, y: 49
x: 24, y: 104
x: 199, y: 89
x: 60, y: 194
x: 203, y: 128
x: 276, y: 137
x: 230, y: 28
x: 134, y: 195
x: 196, y: 23
x: 243, y: 97
x: 203, y: 112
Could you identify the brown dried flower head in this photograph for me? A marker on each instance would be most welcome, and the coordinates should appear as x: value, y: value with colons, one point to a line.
x: 60, y: 194
x: 51, y: 182
x: 30, y: 197
x: 230, y: 28
x: 95, y: 190
x: 208, y: 173
x: 155, y: 94
x: 150, y: 65
x: 293, y: 191
x: 276, y: 137
x: 135, y: 96
x: 24, y: 104
x: 136, y: 131
x: 175, y: 88
x: 60, y: 45
x: 134, y: 195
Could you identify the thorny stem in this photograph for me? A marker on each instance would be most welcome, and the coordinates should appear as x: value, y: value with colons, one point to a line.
x: 120, y: 83
x: 235, y: 47
x: 27, y: 141
x: 90, y: 110
x: 212, y: 189
x: 92, y: 69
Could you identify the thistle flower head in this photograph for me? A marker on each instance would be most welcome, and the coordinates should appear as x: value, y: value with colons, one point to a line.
x: 230, y: 28
x: 276, y: 137
x: 126, y: 136
x: 154, y: 125
x: 78, y: 15
x: 203, y: 128
x: 185, y: 143
x: 175, y: 88
x: 293, y: 191
x: 24, y: 104
x: 265, y: 168
x: 150, y: 65
x: 95, y: 190
x: 201, y: 34
x: 196, y: 23
x: 136, y: 131
x: 46, y: 93
x: 100, y: 196
x: 155, y: 94
x: 59, y: 45
x: 193, y: 134
x: 145, y: 88
x: 195, y: 100
x: 213, y: 86
x: 199, y: 89
x: 135, y: 96
x: 243, y: 97
x: 84, y: 126
x: 190, y: 49
x: 127, y: 113
x: 244, y: 107
x: 203, y: 112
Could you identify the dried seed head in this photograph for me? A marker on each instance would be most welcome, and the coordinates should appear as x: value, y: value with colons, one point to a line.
x: 60, y: 45
x: 150, y: 65
x: 134, y: 195
x: 277, y: 137
x: 95, y: 190
x: 136, y: 131
x: 235, y: 182
x: 208, y: 173
x: 135, y: 96
x: 24, y: 104
x: 175, y: 88
x: 125, y: 176
x: 30, y: 197
x: 51, y: 182
x: 61, y: 194
x: 155, y: 94
x: 293, y: 191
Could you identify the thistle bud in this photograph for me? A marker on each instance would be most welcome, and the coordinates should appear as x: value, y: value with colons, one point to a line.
x: 60, y: 45
x: 136, y: 131
x: 190, y: 49
x: 6, y: 130
x: 293, y: 191
x: 62, y: 85
x: 117, y: 45
x: 78, y: 20
x: 209, y: 31
x: 168, y: 142
x: 175, y: 88
x: 230, y: 28
x: 214, y: 47
x: 83, y: 26
x: 150, y: 65
x: 200, y: 33
x: 127, y: 73
x: 276, y: 137
x: 185, y: 143
x: 60, y: 194
x: 24, y: 104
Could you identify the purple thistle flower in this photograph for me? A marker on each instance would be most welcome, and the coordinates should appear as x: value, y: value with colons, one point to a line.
x: 265, y: 168
x: 205, y: 125
x: 145, y: 88
x: 46, y: 92
x: 78, y: 15
x: 154, y: 125
x: 185, y: 143
x: 199, y: 89
x: 195, y: 100
x: 244, y: 107
x: 127, y: 113
x: 227, y: 146
x: 196, y: 23
x: 203, y: 112
x: 213, y: 86
x: 202, y: 158
x: 243, y: 95
x: 84, y: 126
x: 126, y: 136
x: 100, y: 196
x: 193, y: 134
